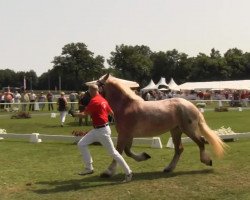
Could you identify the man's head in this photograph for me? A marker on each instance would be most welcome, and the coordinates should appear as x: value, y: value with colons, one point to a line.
x: 93, y: 90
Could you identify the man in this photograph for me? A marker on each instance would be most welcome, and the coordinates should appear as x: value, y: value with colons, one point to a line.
x: 72, y: 98
x: 17, y: 97
x: 24, y: 99
x: 99, y: 109
x: 32, y: 101
x: 62, y: 107
x: 50, y: 101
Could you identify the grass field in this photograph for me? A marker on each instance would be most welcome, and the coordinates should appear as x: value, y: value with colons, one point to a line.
x: 49, y: 170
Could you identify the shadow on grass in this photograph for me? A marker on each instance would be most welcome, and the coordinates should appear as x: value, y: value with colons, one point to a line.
x: 96, y: 181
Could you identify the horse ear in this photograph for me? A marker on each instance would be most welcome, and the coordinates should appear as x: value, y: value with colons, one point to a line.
x: 106, y: 77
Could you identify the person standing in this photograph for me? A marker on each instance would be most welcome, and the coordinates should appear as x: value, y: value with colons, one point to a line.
x: 72, y: 98
x: 62, y: 107
x: 41, y: 100
x: 24, y: 100
x: 99, y: 109
x: 32, y: 101
x: 2, y: 101
x: 84, y: 99
x: 50, y: 100
x: 8, y: 98
x: 17, y: 97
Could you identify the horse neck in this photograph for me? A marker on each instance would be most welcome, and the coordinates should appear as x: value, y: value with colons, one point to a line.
x: 116, y: 98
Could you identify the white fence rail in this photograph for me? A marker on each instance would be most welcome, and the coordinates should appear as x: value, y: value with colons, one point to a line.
x: 233, y: 137
x: 154, y: 142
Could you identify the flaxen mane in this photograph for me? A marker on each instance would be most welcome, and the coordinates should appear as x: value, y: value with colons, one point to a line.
x: 124, y: 89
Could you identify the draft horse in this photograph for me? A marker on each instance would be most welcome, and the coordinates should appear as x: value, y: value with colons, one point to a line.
x: 135, y: 117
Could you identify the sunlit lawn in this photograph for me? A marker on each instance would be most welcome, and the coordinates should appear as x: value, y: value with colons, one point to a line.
x: 49, y: 170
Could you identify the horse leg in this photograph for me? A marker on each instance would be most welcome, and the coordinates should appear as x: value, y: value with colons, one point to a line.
x: 176, y: 137
x: 110, y: 171
x: 204, y: 157
x: 138, y: 157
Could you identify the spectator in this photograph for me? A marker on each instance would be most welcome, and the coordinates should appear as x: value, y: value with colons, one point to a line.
x: 32, y: 98
x: 50, y: 98
x: 84, y: 99
x: 2, y: 101
x: 8, y: 98
x: 17, y: 97
x: 41, y: 100
x: 24, y: 99
x: 72, y: 99
x: 62, y: 107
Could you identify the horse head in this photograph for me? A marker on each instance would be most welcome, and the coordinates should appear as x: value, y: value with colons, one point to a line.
x: 101, y: 83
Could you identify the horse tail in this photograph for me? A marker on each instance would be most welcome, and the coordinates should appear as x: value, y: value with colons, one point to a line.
x: 217, y: 144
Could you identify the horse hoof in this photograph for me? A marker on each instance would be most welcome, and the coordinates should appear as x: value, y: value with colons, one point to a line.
x: 167, y: 170
x: 146, y: 156
x: 105, y: 175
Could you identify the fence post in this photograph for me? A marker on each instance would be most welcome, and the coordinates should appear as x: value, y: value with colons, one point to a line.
x: 156, y: 143
x: 170, y: 143
x: 34, y: 138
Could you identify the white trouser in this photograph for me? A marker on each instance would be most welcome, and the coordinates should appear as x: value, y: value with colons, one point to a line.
x: 63, y: 116
x: 102, y: 135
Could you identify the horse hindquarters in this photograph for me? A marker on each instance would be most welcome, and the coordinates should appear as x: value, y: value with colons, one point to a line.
x: 190, y: 125
x: 212, y: 138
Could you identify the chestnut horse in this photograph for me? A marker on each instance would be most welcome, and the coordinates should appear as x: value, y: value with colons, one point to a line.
x: 135, y: 117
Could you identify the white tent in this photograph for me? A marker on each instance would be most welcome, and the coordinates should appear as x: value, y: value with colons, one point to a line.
x: 150, y: 86
x: 162, y: 83
x: 219, y: 85
x: 172, y: 85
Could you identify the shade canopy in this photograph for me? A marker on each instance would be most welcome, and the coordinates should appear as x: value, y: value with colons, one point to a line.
x: 216, y: 85
x: 150, y: 86
x: 162, y: 83
x: 172, y: 85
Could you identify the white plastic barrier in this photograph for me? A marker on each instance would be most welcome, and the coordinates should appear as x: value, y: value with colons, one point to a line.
x: 154, y: 142
x: 234, y: 136
x: 34, y: 138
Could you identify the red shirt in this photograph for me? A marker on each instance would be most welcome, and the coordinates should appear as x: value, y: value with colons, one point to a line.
x: 98, y: 108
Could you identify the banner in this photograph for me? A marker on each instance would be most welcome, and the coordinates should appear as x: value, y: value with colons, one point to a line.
x: 24, y: 83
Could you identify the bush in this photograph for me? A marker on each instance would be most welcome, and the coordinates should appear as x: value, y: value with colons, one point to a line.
x: 201, y: 105
x: 221, y: 109
x: 21, y: 115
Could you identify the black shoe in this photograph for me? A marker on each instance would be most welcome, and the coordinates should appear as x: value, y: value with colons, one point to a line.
x: 72, y: 113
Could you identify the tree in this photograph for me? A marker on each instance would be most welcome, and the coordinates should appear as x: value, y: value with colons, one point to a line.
x: 77, y: 64
x: 235, y: 62
x: 132, y: 62
x: 170, y: 64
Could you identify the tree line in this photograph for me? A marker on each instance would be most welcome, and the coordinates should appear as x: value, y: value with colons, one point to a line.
x: 77, y: 64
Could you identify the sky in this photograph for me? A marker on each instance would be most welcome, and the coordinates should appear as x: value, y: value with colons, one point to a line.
x: 33, y: 32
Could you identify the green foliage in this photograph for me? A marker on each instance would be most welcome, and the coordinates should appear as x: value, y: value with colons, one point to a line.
x: 132, y: 62
x: 21, y: 115
x: 15, y: 79
x: 77, y: 65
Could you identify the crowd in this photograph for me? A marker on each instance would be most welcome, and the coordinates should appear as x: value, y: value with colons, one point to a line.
x: 234, y: 97
x: 31, y: 101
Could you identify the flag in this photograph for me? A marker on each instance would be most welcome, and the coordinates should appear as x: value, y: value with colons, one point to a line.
x: 24, y: 83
